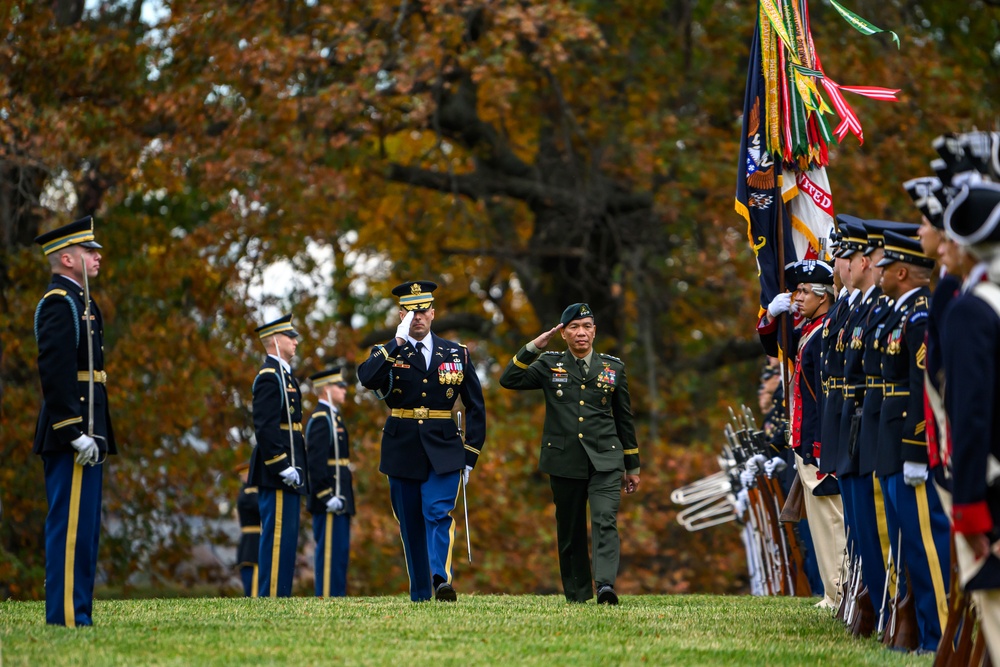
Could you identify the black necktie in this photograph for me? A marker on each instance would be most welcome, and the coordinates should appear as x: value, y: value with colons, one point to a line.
x: 583, y: 367
x: 420, y: 353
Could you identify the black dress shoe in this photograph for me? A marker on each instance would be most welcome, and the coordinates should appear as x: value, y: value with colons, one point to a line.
x: 606, y: 595
x: 445, y: 593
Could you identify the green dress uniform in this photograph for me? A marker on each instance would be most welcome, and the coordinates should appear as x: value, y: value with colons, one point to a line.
x: 588, y: 443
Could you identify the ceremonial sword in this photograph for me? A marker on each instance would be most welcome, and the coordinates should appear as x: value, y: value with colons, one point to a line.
x: 90, y: 361
x: 465, y: 500
x: 288, y: 411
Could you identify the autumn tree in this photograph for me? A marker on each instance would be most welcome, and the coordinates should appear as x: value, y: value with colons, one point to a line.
x: 524, y: 155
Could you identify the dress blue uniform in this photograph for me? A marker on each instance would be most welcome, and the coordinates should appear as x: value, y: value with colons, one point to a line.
x: 277, y: 423
x: 861, y: 507
x: 329, y: 455
x: 248, y: 511
x: 422, y: 450
x: 74, y: 491
x: 914, y: 511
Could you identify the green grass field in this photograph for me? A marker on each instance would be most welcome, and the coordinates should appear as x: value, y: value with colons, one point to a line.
x: 478, y: 630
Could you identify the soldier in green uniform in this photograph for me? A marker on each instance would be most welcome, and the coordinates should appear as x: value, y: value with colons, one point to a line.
x: 588, y: 447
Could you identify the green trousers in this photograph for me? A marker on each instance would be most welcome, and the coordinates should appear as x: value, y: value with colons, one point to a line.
x: 603, y: 492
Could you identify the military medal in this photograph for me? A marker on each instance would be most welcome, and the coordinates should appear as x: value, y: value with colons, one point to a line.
x: 604, y: 400
x: 449, y: 393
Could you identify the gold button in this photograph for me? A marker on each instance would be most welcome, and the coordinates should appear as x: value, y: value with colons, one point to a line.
x: 612, y: 446
x: 425, y: 380
x: 550, y: 444
x: 581, y: 402
x: 82, y: 398
x: 423, y: 394
x: 583, y: 386
x: 904, y: 413
x: 581, y: 418
x: 420, y: 421
x: 580, y: 435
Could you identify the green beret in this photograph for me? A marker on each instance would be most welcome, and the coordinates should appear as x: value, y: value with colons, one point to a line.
x: 577, y: 311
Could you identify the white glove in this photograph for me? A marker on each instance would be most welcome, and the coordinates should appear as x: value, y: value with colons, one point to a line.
x: 87, y: 451
x: 755, y: 463
x: 465, y: 474
x: 290, y: 476
x: 742, y: 502
x: 747, y: 479
x: 780, y: 304
x: 403, y: 330
x: 777, y: 464
x: 914, y: 474
x: 335, y: 504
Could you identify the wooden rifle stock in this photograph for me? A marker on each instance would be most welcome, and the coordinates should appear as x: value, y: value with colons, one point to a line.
x: 863, y: 624
x: 794, y: 507
x: 957, y: 602
x: 965, y: 644
x: 907, y: 635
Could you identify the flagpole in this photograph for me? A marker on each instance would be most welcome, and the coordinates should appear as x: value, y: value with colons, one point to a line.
x: 783, y: 317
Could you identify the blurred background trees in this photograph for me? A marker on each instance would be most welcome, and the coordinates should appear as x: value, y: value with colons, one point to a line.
x: 249, y: 158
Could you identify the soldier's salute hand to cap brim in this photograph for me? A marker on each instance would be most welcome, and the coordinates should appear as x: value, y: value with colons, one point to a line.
x: 544, y: 338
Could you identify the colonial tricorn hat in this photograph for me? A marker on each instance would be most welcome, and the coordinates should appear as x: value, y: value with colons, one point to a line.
x: 808, y: 271
x: 415, y: 294
x: 926, y: 193
x: 282, y: 325
x: 80, y: 232
x: 973, y: 216
x: 577, y: 311
x: 332, y: 375
x: 904, y: 248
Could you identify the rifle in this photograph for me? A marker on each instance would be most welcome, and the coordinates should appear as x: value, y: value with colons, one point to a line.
x: 956, y: 610
x: 794, y: 562
x: 864, y: 620
x: 794, y: 507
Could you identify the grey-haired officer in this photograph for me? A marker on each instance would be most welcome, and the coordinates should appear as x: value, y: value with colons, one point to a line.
x: 73, y: 436
x: 589, y: 448
x: 278, y: 461
x: 420, y: 376
x: 331, y: 488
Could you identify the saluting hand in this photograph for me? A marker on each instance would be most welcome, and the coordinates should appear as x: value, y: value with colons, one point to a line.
x: 544, y: 338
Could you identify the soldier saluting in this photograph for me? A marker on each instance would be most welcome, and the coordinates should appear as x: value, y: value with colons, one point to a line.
x: 589, y: 447
x: 420, y: 375
x: 73, y: 434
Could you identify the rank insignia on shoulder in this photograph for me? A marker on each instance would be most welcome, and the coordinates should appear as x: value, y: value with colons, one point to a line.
x: 612, y: 358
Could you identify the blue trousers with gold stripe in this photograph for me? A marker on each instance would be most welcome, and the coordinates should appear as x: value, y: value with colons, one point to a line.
x: 863, y: 511
x: 917, y: 512
x: 72, y: 531
x: 423, y: 510
x: 279, y: 541
x: 248, y: 574
x: 333, y: 547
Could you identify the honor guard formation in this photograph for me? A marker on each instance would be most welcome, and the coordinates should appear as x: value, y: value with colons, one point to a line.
x: 892, y: 380
x: 872, y: 482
